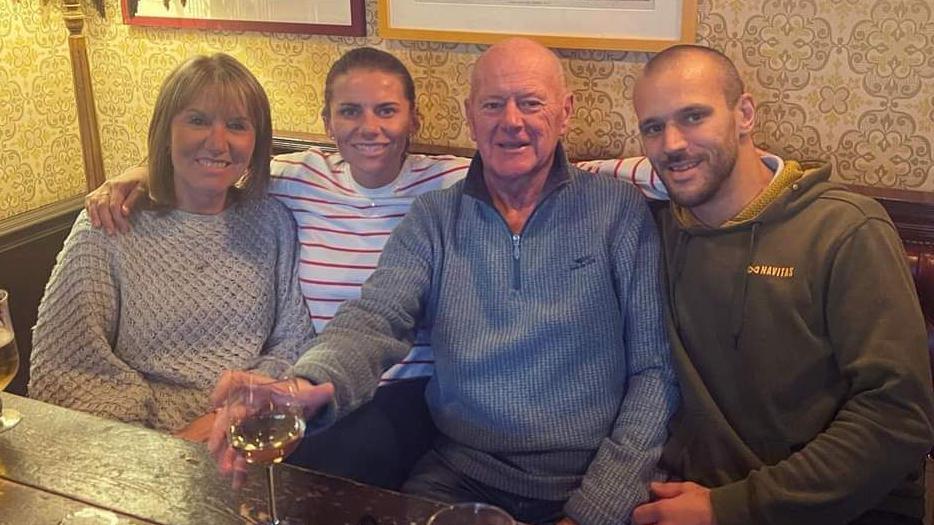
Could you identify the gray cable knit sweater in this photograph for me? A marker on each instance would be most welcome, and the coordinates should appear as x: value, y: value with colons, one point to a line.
x: 138, y: 327
x: 553, y: 377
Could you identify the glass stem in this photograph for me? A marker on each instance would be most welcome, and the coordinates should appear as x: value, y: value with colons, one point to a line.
x: 273, y: 512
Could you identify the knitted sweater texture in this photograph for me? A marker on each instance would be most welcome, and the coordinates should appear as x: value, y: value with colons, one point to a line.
x: 138, y: 327
x: 552, y: 376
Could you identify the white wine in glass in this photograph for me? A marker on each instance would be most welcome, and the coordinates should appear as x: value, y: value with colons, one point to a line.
x: 267, y: 438
x: 9, y: 361
x: 265, y: 423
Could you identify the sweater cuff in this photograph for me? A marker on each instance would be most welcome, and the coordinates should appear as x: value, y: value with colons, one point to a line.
x: 731, y: 504
x: 326, y: 415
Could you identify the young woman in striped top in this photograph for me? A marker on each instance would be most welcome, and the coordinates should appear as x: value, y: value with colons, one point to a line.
x: 347, y: 203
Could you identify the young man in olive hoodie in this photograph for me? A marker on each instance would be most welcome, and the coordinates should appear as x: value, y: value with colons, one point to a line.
x: 799, y: 342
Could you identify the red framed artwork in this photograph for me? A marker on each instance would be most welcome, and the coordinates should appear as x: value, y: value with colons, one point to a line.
x: 325, y: 17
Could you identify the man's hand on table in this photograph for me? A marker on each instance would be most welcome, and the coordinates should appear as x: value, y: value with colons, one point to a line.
x: 199, y: 430
x: 684, y: 503
x: 311, y: 397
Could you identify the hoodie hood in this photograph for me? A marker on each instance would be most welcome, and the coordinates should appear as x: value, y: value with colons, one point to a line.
x: 798, y: 184
x: 795, y: 187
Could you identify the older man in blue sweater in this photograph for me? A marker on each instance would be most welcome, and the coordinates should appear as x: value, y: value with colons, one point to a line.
x: 541, y: 288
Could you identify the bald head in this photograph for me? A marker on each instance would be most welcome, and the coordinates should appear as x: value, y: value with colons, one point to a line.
x: 518, y: 109
x: 522, y: 54
x: 717, y: 66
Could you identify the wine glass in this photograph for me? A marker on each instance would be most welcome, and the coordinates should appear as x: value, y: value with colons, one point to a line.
x: 265, y: 422
x: 9, y: 361
x: 471, y: 514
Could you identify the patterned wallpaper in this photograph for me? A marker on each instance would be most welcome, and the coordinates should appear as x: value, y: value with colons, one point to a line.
x: 851, y: 81
x: 40, y: 152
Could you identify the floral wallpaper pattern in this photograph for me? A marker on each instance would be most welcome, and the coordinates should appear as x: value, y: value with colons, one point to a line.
x: 850, y: 81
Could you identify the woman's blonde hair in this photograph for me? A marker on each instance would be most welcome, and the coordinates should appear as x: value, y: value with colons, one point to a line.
x: 233, y: 84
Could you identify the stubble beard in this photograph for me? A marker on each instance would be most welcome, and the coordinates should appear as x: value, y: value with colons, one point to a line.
x: 720, y: 166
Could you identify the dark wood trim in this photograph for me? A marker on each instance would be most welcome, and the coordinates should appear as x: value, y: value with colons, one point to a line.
x: 41, y: 222
x: 292, y: 141
x: 29, y: 243
x: 911, y: 211
x: 921, y: 198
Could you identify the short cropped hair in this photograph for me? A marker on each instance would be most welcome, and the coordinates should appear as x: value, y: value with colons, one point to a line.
x: 372, y: 59
x: 234, y: 84
x: 733, y: 85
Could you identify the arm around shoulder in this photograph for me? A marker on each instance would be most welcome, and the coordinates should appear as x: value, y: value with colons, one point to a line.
x: 637, y: 171
x: 110, y: 205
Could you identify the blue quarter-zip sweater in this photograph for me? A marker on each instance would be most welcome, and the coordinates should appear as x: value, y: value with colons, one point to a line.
x: 553, y: 377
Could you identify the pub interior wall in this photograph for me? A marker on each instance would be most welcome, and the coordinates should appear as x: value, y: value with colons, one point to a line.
x: 849, y: 81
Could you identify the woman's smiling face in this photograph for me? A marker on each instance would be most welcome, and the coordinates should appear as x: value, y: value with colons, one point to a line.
x: 212, y: 144
x: 371, y: 121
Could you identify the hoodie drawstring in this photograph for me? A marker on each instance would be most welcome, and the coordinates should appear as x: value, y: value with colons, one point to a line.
x: 738, y: 308
x: 675, y: 267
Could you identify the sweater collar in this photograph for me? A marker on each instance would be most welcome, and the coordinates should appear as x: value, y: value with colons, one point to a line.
x: 559, y: 174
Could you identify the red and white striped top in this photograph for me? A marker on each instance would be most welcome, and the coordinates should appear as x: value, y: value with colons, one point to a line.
x: 342, y: 228
x: 637, y: 171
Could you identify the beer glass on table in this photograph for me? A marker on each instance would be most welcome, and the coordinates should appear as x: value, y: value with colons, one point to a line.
x: 265, y: 423
x: 9, y: 361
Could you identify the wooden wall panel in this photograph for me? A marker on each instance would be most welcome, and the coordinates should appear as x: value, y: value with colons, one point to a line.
x: 28, y: 248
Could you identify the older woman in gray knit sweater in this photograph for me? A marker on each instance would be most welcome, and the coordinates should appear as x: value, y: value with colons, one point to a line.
x: 138, y: 327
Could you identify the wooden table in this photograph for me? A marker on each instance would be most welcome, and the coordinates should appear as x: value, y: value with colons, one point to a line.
x: 60, y: 464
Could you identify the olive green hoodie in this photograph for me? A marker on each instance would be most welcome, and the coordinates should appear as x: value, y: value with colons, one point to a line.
x: 801, y: 351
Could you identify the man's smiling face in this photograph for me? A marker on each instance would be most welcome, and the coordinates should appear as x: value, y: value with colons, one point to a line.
x: 689, y: 131
x: 517, y: 111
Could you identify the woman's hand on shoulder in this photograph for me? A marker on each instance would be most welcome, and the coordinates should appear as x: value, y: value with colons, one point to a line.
x: 110, y: 205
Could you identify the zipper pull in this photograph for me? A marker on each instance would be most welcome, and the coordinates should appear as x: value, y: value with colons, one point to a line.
x: 516, y: 239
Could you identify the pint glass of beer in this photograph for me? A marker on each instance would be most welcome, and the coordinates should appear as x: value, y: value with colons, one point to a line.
x: 9, y: 360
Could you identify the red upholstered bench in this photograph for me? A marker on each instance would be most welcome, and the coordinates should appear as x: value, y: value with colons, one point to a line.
x: 913, y: 214
x: 921, y: 261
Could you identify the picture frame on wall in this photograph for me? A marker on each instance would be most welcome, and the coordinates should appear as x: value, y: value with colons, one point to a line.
x: 325, y: 17
x: 630, y: 25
